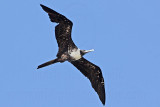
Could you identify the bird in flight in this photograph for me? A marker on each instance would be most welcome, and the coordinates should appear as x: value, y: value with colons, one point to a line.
x: 68, y: 51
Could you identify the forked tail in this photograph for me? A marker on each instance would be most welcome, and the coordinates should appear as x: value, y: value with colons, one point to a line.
x: 48, y: 63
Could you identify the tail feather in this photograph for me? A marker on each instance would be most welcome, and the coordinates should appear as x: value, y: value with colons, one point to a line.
x: 48, y: 63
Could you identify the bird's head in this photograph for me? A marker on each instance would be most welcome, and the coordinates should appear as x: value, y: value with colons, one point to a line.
x: 83, y: 52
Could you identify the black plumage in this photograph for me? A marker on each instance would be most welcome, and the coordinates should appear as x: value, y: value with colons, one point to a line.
x: 94, y: 74
x: 67, y: 47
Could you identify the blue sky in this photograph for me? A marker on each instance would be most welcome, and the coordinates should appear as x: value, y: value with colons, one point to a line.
x: 124, y: 33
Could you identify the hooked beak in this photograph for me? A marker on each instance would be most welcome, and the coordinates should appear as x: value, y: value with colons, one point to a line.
x: 86, y: 51
x: 83, y: 52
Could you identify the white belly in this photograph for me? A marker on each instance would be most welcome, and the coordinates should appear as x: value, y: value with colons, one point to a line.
x: 75, y: 54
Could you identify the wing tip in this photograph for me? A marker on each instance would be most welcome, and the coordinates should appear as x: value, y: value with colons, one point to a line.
x: 42, y: 6
x: 102, y: 97
x: 103, y: 101
x: 46, y: 9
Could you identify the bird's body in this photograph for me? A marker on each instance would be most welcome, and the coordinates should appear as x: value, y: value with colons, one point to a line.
x: 68, y: 51
x: 74, y: 54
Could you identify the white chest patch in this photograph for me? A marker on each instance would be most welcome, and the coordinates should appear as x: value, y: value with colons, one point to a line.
x: 75, y: 54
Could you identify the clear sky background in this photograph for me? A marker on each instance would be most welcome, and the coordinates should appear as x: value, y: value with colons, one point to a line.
x: 124, y: 33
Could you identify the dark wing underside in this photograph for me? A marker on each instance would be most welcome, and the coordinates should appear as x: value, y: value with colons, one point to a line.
x: 62, y: 30
x: 94, y: 74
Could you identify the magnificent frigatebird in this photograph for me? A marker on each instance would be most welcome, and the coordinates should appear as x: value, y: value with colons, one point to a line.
x: 68, y: 51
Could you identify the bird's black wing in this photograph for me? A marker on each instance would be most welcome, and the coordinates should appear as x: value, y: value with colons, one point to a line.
x: 62, y: 30
x: 94, y: 74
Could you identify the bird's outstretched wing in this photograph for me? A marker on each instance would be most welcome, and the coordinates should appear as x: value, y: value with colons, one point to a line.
x: 94, y: 74
x: 62, y: 30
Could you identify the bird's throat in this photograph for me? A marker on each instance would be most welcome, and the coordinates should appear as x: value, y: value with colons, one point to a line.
x: 75, y: 54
